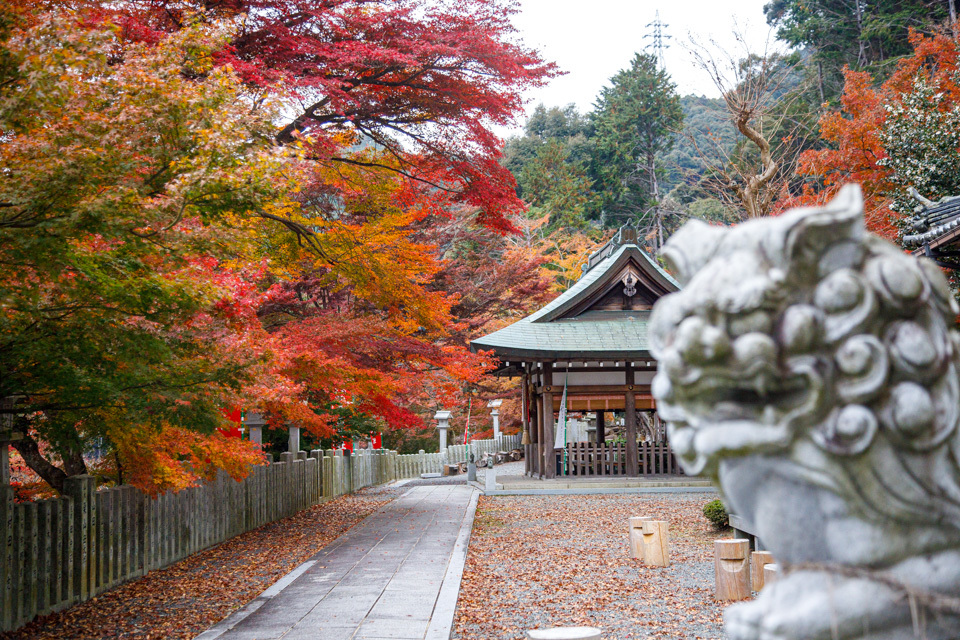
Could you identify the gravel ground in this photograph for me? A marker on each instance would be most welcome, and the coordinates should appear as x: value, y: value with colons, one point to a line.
x: 186, y: 598
x: 541, y: 561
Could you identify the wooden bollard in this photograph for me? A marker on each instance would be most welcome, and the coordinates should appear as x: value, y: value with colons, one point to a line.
x: 636, y: 535
x: 731, y: 562
x: 656, y: 543
x: 759, y: 560
x: 770, y: 573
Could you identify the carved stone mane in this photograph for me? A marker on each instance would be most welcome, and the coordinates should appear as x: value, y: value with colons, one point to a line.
x: 811, y: 369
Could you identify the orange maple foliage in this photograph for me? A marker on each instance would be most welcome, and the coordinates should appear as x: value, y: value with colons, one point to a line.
x: 853, y: 132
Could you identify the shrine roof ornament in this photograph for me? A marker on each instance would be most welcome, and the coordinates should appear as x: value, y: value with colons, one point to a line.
x: 602, y: 316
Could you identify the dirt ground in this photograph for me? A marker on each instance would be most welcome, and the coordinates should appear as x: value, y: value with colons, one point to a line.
x: 541, y: 561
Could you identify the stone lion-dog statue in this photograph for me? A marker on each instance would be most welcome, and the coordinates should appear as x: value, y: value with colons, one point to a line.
x: 810, y: 369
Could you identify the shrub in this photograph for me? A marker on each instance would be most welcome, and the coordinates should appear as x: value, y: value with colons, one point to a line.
x: 716, y: 513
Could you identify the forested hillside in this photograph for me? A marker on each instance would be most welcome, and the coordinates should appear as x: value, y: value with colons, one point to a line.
x: 780, y: 135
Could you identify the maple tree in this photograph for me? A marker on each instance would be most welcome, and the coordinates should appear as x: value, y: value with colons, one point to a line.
x: 201, y: 257
x: 423, y: 81
x: 866, y: 146
x: 118, y: 309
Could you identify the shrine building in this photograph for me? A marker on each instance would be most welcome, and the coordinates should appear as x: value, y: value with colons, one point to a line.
x: 593, y: 339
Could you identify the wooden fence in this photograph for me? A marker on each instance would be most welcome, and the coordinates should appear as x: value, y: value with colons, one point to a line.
x: 55, y: 553
x: 413, y: 464
x: 592, y: 459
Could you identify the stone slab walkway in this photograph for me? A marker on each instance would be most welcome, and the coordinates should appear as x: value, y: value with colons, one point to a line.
x: 395, y: 575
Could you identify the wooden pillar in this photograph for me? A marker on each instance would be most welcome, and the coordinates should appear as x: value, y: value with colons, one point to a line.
x: 549, y: 457
x: 538, y: 449
x: 630, y: 418
x: 525, y: 420
x: 601, y: 428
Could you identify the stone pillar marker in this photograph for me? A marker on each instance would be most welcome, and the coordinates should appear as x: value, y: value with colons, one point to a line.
x: 293, y: 439
x: 443, y: 423
x: 656, y: 543
x: 731, y: 563
x: 491, y: 479
x: 759, y: 560
x: 494, y: 406
x: 255, y: 423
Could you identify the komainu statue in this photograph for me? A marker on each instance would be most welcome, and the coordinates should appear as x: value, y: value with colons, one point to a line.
x: 811, y: 369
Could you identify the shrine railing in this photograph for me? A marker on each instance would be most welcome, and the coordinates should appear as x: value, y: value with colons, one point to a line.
x: 585, y: 459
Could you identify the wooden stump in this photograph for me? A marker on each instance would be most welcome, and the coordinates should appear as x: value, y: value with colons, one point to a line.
x: 758, y: 560
x: 636, y: 535
x: 731, y: 561
x: 656, y: 543
x: 770, y: 573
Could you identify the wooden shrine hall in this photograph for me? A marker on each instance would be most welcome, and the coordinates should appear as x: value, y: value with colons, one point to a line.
x: 593, y: 338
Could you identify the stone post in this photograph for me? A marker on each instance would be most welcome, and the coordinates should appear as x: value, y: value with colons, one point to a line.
x: 494, y: 406
x: 731, y: 563
x: 293, y: 440
x: 443, y: 423
x: 758, y: 560
x: 656, y: 543
x: 255, y: 423
x: 491, y: 479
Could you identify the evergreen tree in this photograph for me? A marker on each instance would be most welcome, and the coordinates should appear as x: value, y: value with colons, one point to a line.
x: 635, y: 122
x: 556, y: 186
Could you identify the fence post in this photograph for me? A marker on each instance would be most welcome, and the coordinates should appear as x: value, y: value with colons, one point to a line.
x: 81, y: 489
x: 6, y: 541
x: 317, y: 454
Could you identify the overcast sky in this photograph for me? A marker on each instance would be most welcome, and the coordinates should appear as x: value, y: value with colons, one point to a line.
x: 593, y: 40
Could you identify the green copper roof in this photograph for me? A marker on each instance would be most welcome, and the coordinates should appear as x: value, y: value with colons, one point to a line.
x: 550, y: 334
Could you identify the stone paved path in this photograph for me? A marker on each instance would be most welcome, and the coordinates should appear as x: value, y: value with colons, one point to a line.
x: 395, y: 575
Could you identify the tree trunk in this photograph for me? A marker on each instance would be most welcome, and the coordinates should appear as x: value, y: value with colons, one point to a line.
x: 820, y: 81
x: 655, y: 195
x: 951, y: 4
x: 752, y: 193
x: 862, y: 54
x: 29, y: 450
